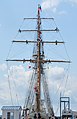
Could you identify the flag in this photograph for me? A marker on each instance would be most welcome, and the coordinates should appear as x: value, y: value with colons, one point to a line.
x: 29, y: 67
x: 35, y: 88
x: 39, y: 7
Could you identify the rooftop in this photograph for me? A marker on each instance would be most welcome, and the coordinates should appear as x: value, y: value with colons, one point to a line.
x: 11, y: 107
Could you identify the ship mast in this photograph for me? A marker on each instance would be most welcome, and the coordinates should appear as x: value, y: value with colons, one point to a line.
x: 39, y: 60
x: 38, y: 64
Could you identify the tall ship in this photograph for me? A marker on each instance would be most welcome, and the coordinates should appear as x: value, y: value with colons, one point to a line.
x: 38, y: 104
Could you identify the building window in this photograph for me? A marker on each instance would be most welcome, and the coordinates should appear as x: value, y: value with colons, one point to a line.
x: 8, y: 115
x: 11, y: 115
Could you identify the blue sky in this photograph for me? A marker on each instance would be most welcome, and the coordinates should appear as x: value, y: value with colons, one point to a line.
x: 11, y: 17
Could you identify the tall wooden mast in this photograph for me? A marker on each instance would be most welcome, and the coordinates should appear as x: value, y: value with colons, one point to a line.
x: 38, y: 98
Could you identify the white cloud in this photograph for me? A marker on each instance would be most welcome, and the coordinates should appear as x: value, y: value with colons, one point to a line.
x: 68, y: 93
x: 73, y: 1
x: 55, y: 73
x: 59, y: 83
x: 47, y: 4
x: 54, y: 4
x: 19, y: 80
x: 62, y: 13
x: 3, y: 67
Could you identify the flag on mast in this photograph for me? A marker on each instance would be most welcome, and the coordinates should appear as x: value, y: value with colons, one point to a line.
x: 39, y: 7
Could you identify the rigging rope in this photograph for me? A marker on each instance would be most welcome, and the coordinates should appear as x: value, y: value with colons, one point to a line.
x: 67, y: 77
x: 67, y: 69
x: 54, y: 52
x: 64, y: 87
x: 64, y: 45
x: 19, y: 28
x: 58, y: 107
x: 9, y: 51
x: 15, y: 86
x: 9, y: 84
x: 8, y: 72
x: 62, y: 40
x: 12, y: 42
